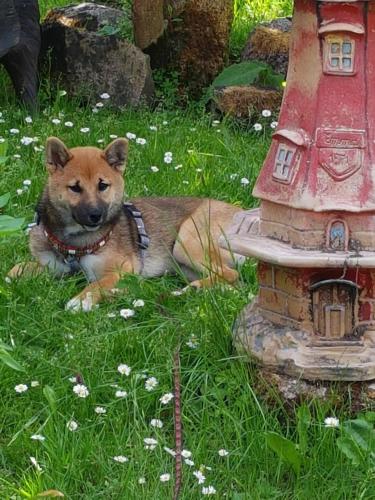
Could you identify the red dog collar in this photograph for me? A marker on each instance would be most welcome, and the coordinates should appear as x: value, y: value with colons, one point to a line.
x: 75, y: 251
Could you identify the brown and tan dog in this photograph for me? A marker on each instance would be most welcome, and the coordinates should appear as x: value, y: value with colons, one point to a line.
x: 83, y: 226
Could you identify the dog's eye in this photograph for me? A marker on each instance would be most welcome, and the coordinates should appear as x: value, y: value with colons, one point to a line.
x: 76, y: 188
x: 102, y: 186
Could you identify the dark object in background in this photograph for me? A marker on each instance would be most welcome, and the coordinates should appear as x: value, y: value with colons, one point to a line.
x: 20, y: 45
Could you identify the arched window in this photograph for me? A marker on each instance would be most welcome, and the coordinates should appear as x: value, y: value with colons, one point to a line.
x: 337, y: 235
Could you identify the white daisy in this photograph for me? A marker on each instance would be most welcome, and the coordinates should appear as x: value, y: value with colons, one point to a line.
x: 100, y: 410
x: 27, y: 182
x: 274, y: 124
x: 99, y: 105
x: 170, y: 451
x: 142, y: 480
x: 141, y: 141
x: 189, y: 462
x: 19, y: 191
x: 72, y: 425
x: 151, y: 383
x: 331, y: 422
x: 104, y: 96
x: 124, y: 369
x: 200, y: 476
x: 223, y: 452
x: 266, y: 113
x: 168, y: 159
x: 245, y: 181
x: 35, y: 464
x: 257, y: 127
x: 155, y: 422
x: 26, y: 140
x: 138, y: 303
x: 81, y: 390
x: 150, y: 443
x: 154, y: 169
x: 121, y: 459
x: 68, y: 124
x: 130, y: 135
x: 166, y: 398
x: 56, y: 121
x: 85, y: 130
x: 186, y: 453
x: 126, y: 313
x: 28, y: 119
x: 153, y: 127
x: 34, y: 383
x: 165, y: 477
x: 37, y: 437
x: 210, y: 490
x: 14, y: 131
x: 113, y: 136
x: 121, y: 394
x: 21, y: 388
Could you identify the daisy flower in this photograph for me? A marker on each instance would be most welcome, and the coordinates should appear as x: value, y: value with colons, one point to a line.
x: 154, y: 169
x: 27, y: 182
x: 26, y: 140
x: 200, y: 476
x: 100, y: 410
x: 155, y: 422
x: 68, y: 124
x: 138, y: 303
x: 121, y: 459
x: 72, y: 425
x: 150, y: 443
x: 331, y: 422
x: 124, y: 369
x: 266, y: 113
x: 56, y: 121
x: 153, y: 127
x: 21, y: 388
x: 28, y: 119
x: 81, y: 390
x: 34, y: 383
x: 245, y: 181
x: 151, y: 383
x: 33, y: 460
x: 142, y: 480
x: 126, y: 313
x: 223, y: 452
x: 165, y: 477
x: 130, y: 135
x: 257, y: 127
x: 85, y: 130
x: 121, y: 394
x: 166, y: 398
x: 141, y: 141
x: 37, y: 437
x: 186, y: 453
x: 274, y: 124
x: 210, y: 490
x: 104, y: 96
x: 14, y: 131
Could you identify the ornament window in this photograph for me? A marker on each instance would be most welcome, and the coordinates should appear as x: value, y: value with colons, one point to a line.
x: 284, y: 161
x: 339, y: 54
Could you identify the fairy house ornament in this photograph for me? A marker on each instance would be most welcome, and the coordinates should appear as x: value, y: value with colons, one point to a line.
x: 314, y: 234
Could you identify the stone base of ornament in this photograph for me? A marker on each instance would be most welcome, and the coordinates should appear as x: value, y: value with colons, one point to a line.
x: 293, y: 352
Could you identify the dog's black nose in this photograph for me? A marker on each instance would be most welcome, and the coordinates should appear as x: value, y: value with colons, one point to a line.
x: 95, y: 215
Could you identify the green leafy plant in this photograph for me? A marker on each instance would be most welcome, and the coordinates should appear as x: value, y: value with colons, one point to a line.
x: 249, y: 73
x: 7, y: 359
x: 358, y: 440
x: 293, y: 454
x: 8, y: 224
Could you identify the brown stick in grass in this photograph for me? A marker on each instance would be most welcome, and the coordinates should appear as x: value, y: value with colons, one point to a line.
x: 177, y: 424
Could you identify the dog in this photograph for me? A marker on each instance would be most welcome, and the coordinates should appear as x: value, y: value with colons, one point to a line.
x: 84, y: 225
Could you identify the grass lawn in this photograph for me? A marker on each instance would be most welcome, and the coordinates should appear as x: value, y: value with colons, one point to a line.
x: 221, y: 405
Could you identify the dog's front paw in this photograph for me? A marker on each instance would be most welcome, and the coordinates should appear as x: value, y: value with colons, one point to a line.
x: 83, y: 303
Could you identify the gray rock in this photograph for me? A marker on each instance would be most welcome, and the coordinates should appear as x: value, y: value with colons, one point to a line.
x: 90, y: 63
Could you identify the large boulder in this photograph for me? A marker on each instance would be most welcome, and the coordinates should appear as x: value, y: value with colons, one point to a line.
x: 194, y: 40
x: 269, y: 42
x: 89, y: 60
x: 19, y: 46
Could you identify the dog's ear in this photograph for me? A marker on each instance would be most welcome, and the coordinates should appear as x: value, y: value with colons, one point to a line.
x: 57, y: 154
x: 116, y: 154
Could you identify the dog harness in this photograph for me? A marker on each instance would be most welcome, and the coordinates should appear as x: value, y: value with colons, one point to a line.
x: 72, y: 254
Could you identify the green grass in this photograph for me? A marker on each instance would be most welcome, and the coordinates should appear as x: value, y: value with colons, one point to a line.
x: 222, y: 404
